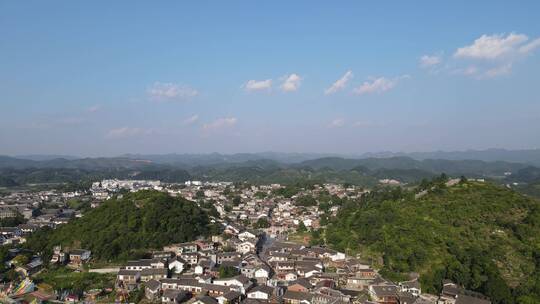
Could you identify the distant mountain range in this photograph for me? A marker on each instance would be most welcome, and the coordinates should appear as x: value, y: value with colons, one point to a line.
x: 80, y: 163
x: 528, y: 156
x: 271, y: 167
x: 42, y: 157
x: 192, y: 160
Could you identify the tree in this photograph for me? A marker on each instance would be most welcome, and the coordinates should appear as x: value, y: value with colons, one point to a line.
x: 260, y: 195
x: 447, y: 234
x: 301, y: 227
x: 12, y: 221
x: 199, y: 194
x: 323, y: 220
x: 236, y: 200
x: 135, y: 296
x: 316, y: 238
x: 227, y: 271
x: 306, y: 201
x: 20, y: 260
x: 121, y: 228
x: 262, y: 223
x: 324, y: 207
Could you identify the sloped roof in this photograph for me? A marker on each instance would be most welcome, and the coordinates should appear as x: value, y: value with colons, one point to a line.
x: 153, y: 285
x: 296, y: 295
x: 262, y: 288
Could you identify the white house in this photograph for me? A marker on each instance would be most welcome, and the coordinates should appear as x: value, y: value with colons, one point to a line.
x: 246, y: 246
x: 177, y: 264
x: 139, y: 264
x: 240, y: 283
x: 338, y: 256
x: 261, y: 292
x: 129, y: 276
x: 311, y: 273
x: 412, y: 286
x: 245, y: 235
x: 262, y: 271
x: 291, y: 276
x: 203, y: 265
x: 199, y: 269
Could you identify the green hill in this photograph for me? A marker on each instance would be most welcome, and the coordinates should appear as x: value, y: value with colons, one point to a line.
x: 435, y: 166
x: 482, y: 236
x: 124, y: 228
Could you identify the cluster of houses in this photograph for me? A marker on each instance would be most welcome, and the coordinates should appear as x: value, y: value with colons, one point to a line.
x: 48, y: 217
x: 36, y: 209
x: 260, y: 202
x: 32, y: 266
x: 104, y: 189
x: 246, y: 266
x: 249, y: 206
x: 242, y: 265
x: 74, y: 258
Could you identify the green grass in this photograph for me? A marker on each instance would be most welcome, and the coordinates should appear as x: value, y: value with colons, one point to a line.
x: 62, y: 278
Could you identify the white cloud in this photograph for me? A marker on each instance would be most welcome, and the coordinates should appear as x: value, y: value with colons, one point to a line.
x: 221, y: 123
x: 291, y: 83
x: 497, y: 52
x: 170, y: 92
x: 93, y: 109
x: 340, y: 84
x: 470, y: 70
x: 497, y: 71
x: 491, y: 55
x: 367, y: 124
x: 337, y: 123
x: 127, y: 132
x: 485, y: 73
x: 493, y: 46
x: 378, y: 85
x: 428, y: 61
x: 257, y: 85
x: 191, y: 120
x: 529, y: 47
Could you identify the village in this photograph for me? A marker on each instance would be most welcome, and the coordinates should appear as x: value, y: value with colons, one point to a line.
x: 27, y: 211
x: 264, y: 254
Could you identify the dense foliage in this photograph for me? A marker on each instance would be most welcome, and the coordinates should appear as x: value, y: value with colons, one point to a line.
x: 366, y: 172
x: 227, y: 272
x: 532, y: 189
x: 482, y: 236
x: 306, y: 201
x: 262, y: 223
x: 12, y: 221
x: 122, y: 228
x: 7, y: 182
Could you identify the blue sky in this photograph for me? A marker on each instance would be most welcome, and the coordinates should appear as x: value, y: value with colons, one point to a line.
x: 112, y: 77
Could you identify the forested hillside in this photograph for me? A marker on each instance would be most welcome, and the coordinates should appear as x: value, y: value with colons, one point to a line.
x: 124, y: 228
x: 482, y: 236
x: 239, y: 168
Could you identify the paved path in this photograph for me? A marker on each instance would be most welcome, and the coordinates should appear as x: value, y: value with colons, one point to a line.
x: 105, y: 270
